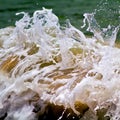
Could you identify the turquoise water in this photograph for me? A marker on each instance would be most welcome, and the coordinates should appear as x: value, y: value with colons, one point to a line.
x: 64, y: 9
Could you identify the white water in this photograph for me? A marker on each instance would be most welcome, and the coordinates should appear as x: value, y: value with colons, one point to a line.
x: 59, y: 64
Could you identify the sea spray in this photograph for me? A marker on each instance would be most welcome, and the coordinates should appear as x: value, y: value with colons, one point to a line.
x: 42, y: 62
x: 108, y: 34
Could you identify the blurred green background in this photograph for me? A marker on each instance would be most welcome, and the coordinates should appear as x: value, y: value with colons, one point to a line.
x: 107, y: 10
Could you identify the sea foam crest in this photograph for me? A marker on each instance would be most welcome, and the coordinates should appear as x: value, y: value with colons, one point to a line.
x: 42, y: 61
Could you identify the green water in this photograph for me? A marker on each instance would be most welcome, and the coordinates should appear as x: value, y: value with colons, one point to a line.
x: 64, y: 9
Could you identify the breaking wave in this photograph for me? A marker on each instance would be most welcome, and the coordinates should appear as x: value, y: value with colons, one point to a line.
x: 43, y: 62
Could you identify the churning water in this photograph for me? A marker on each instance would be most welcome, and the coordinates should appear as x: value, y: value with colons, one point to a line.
x: 40, y: 60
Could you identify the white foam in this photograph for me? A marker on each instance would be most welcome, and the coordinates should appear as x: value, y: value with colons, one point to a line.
x: 49, y: 66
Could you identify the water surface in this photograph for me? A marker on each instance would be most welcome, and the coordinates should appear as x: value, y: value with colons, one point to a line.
x: 69, y: 9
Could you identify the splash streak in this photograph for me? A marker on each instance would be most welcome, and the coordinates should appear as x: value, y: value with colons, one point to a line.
x: 42, y: 61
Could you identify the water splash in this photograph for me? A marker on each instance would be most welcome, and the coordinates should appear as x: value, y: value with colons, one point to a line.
x: 108, y: 34
x: 42, y: 61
